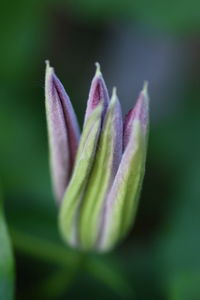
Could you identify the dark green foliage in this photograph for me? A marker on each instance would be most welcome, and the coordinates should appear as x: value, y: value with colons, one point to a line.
x: 160, y: 258
x: 6, y: 261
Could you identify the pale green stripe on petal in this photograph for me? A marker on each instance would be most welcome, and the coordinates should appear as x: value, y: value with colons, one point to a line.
x: 133, y: 189
x: 84, y: 161
x: 105, y: 167
x: 122, y: 200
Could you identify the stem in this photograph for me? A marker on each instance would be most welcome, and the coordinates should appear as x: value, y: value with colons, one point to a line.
x: 48, y: 251
x: 52, y: 252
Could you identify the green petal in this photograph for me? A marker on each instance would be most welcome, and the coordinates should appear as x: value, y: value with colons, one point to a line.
x: 105, y: 167
x: 122, y: 201
x: 84, y: 161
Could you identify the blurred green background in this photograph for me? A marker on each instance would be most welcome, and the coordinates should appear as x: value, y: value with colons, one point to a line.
x: 133, y: 41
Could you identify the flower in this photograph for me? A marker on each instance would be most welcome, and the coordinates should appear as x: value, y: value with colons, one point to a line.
x: 97, y: 180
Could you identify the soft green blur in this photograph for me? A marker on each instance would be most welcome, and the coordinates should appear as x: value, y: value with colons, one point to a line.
x: 6, y: 260
x: 134, y: 41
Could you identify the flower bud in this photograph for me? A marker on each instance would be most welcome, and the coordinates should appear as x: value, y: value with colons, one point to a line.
x: 104, y: 173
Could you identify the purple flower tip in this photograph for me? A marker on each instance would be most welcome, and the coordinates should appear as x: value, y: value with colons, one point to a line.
x: 63, y: 132
x: 98, y: 92
x: 138, y: 112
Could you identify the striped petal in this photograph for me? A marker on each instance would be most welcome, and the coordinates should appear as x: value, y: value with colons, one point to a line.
x: 106, y: 163
x: 63, y: 132
x: 69, y: 211
x: 98, y: 92
x: 122, y: 200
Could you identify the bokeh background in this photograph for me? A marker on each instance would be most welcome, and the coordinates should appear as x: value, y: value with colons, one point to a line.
x: 158, y: 41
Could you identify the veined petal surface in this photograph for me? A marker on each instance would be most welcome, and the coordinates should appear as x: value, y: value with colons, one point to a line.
x: 69, y: 211
x: 63, y: 132
x: 122, y: 200
x: 105, y: 166
x: 98, y: 92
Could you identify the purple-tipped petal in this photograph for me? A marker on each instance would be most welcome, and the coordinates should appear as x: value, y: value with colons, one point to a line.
x: 70, y: 119
x: 139, y: 112
x: 63, y: 132
x: 98, y: 92
x: 118, y: 133
x: 122, y: 200
x: 107, y: 160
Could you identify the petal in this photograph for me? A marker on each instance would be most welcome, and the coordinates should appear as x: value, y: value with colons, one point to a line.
x: 140, y: 111
x: 106, y: 163
x: 63, y: 132
x: 69, y: 211
x: 122, y: 200
x: 98, y: 92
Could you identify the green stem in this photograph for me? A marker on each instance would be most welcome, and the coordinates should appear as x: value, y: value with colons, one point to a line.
x: 43, y: 249
x: 54, y: 253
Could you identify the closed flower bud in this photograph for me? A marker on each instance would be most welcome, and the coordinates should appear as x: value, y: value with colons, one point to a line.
x: 97, y: 180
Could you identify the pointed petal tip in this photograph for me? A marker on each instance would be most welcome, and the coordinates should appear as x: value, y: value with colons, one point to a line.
x: 145, y: 87
x: 142, y: 105
x: 48, y: 66
x: 98, y: 92
x: 114, y: 97
x: 145, y: 92
x: 49, y: 72
x: 98, y: 69
x: 114, y: 92
x: 139, y: 112
x: 47, y: 62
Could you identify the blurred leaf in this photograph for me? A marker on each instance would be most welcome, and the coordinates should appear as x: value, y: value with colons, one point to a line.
x: 6, y: 261
x: 45, y: 250
x: 20, y: 30
x: 58, y: 283
x: 55, y: 253
x: 173, y: 15
x: 178, y: 245
x: 186, y: 286
x: 110, y: 275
